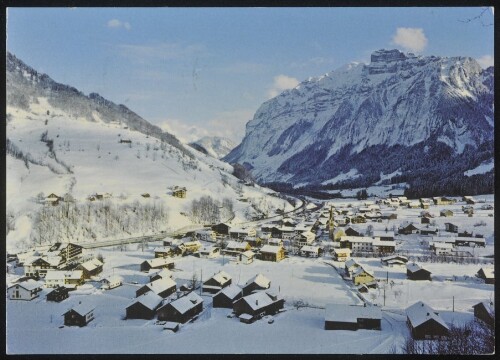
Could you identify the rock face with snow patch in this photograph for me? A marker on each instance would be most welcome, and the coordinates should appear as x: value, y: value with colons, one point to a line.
x: 400, y: 112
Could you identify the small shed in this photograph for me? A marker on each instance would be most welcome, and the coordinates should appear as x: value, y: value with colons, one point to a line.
x: 487, y: 274
x: 79, y: 315
x: 221, y: 229
x: 246, y: 257
x: 111, y: 282
x: 446, y: 213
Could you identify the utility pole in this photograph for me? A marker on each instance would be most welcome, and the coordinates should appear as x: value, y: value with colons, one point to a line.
x: 201, y: 280
x: 453, y: 303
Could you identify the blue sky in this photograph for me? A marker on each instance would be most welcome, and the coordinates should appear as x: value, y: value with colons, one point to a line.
x: 205, y: 71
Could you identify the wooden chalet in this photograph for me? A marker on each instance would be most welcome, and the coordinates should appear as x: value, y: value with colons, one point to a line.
x: 163, y: 287
x: 227, y: 296
x: 392, y: 260
x: 487, y: 274
x: 310, y: 251
x: 272, y: 253
x: 349, y: 266
x: 383, y: 246
x: 160, y: 274
x: 53, y: 199
x: 234, y: 248
x: 415, y: 272
x: 38, y: 266
x: 24, y: 290
x: 408, y: 229
x: 305, y: 238
x: 446, y: 213
x: 217, y: 282
x: 384, y: 235
x: 79, y: 315
x: 55, y: 278
x: 361, y: 276
x: 352, y: 317
x: 144, y: 307
x: 206, y: 235
x: 246, y: 257
x: 257, y: 305
x: 164, y: 252
x: 181, y: 310
x: 237, y: 233
x: 111, y: 282
x: 157, y: 263
x: 429, y: 230
x: 485, y: 311
x: 179, y: 192
x: 425, y: 323
x: 221, y: 229
x: 350, y: 231
x: 58, y: 294
x: 258, y: 282
x: 209, y: 252
x: 451, y: 227
x: 341, y: 254
x: 91, y: 268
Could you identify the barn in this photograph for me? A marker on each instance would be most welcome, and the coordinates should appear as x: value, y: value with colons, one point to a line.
x: 352, y: 317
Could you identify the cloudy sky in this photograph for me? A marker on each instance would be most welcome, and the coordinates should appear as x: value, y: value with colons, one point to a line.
x: 205, y: 71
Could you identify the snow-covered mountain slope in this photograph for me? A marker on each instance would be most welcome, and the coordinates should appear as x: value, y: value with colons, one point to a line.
x: 61, y: 141
x: 399, y: 106
x: 215, y: 146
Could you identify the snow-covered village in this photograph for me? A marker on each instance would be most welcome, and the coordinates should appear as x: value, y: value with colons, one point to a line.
x: 354, y: 215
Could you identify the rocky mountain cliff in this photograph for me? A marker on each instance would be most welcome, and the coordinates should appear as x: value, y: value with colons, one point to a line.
x: 215, y: 146
x: 410, y: 115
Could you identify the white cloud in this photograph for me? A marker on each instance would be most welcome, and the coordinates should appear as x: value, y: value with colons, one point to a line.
x: 115, y: 23
x: 412, y: 39
x: 281, y: 83
x: 486, y: 61
x: 229, y: 124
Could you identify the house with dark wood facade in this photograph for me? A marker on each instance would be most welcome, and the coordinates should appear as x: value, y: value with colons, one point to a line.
x: 272, y: 253
x: 217, y: 282
x: 181, y: 310
x: 221, y: 229
x: 487, y: 274
x: 79, y: 315
x: 227, y: 296
x: 91, y: 268
x: 258, y: 304
x: 415, y: 272
x: 157, y: 263
x: 144, y: 307
x: 425, y: 323
x: 258, y: 282
x: 162, y: 287
x: 485, y: 311
x: 352, y: 317
x: 58, y: 294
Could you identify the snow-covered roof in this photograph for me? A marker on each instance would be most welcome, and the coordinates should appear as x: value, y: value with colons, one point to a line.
x: 420, y: 312
x: 162, y: 249
x: 271, y: 249
x: 159, y: 262
x: 378, y: 242
x: 163, y: 273
x: 258, y: 300
x: 29, y: 284
x: 351, y: 313
x: 113, y: 279
x: 91, y: 264
x: 488, y: 305
x: 489, y: 272
x: 82, y: 309
x: 415, y: 267
x: 341, y: 250
x: 187, y: 302
x: 443, y: 239
x: 391, y: 257
x: 160, y: 285
x: 309, y: 248
x: 248, y: 253
x: 351, y: 262
x: 231, y: 291
x: 274, y: 241
x: 260, y: 280
x: 63, y: 274
x: 440, y: 245
x: 383, y: 233
x: 222, y: 277
x: 356, y: 239
x: 150, y: 300
x: 237, y: 245
x: 360, y: 270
